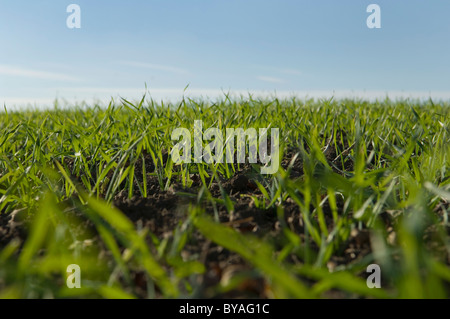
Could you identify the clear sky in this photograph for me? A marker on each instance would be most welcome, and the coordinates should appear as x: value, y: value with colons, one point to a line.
x: 289, y: 47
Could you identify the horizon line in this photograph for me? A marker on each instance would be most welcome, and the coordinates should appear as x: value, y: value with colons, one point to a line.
x: 105, y: 95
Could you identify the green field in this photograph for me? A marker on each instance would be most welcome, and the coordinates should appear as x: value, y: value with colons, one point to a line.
x: 359, y: 183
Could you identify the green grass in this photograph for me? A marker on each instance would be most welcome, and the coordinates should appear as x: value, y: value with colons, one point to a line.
x: 389, y: 175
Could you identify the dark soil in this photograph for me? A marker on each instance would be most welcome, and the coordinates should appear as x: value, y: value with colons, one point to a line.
x: 163, y: 211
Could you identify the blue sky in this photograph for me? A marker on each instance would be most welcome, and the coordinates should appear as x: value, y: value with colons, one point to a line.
x: 290, y: 47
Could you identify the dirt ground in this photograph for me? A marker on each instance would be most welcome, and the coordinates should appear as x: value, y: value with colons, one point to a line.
x: 162, y: 211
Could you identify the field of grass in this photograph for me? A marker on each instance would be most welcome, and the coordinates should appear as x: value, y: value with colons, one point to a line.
x: 359, y: 183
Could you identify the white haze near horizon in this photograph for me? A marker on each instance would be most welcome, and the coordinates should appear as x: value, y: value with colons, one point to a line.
x: 103, y: 96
